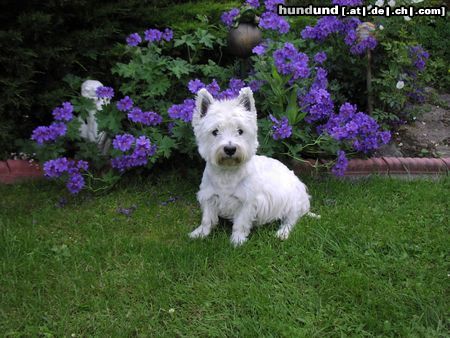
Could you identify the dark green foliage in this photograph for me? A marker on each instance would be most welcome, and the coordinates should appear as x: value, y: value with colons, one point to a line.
x: 433, y: 35
x: 42, y: 42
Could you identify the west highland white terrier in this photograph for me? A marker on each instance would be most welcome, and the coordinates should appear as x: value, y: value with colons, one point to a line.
x: 237, y: 184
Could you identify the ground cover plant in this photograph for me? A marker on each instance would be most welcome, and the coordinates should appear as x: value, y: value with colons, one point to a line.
x: 375, y: 264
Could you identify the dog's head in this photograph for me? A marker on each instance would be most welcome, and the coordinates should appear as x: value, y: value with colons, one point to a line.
x: 226, y: 130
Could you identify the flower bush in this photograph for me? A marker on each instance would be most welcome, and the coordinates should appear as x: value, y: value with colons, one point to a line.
x: 304, y: 107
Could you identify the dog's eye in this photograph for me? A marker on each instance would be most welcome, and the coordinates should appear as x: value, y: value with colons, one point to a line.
x: 240, y: 131
x: 215, y: 132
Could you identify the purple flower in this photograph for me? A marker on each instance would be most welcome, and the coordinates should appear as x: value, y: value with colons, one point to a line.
x: 40, y: 134
x: 253, y: 3
x: 418, y: 57
x: 255, y: 85
x: 150, y: 118
x: 385, y: 137
x: 281, y: 128
x: 44, y: 134
x: 349, y: 29
x: 182, y: 111
x: 170, y: 126
x: 143, y: 146
x: 318, y: 104
x: 167, y: 34
x: 127, y: 211
x: 135, y: 115
x: 350, y: 37
x: 213, y: 88
x: 63, y: 113
x: 142, y: 151
x: 361, y: 130
x: 125, y: 104
x: 57, y: 129
x: 347, y: 2
x: 417, y: 95
x: 134, y: 39
x: 321, y: 81
x: 104, y: 92
x: 75, y: 183
x: 320, y: 57
x: 324, y: 27
x: 82, y: 165
x: 195, y: 85
x: 289, y: 61
x: 55, y: 168
x: 273, y: 21
x: 361, y: 47
x: 328, y: 25
x: 228, y: 17
x: 272, y: 5
x: 234, y: 86
x: 123, y: 142
x: 153, y: 35
x: 341, y: 164
x: 259, y: 49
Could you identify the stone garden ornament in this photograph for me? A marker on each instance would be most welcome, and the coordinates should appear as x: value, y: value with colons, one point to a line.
x: 89, y: 127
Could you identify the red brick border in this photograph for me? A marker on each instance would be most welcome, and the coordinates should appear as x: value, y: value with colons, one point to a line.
x: 388, y: 166
x: 12, y: 171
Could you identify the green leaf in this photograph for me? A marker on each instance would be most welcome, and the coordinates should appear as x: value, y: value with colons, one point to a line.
x: 205, y: 38
x: 292, y: 108
x: 157, y: 87
x: 73, y: 81
x: 186, y: 39
x: 109, y: 119
x: 180, y: 67
x: 165, y: 146
x: 111, y: 177
x: 73, y: 129
x: 82, y: 105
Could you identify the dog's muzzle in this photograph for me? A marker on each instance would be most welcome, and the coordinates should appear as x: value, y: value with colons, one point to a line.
x: 229, y: 155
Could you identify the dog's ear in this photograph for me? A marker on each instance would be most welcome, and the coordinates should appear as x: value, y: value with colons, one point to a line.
x: 203, y: 101
x: 246, y: 99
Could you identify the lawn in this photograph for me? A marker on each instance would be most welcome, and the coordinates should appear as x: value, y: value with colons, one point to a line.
x: 375, y: 264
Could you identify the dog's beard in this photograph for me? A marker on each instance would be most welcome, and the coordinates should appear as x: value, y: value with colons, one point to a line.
x: 223, y: 160
x: 226, y: 161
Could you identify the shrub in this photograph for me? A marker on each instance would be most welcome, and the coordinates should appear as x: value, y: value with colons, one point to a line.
x: 41, y: 44
x: 305, y: 107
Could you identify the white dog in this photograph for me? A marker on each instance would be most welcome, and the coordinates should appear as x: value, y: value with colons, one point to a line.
x: 237, y: 184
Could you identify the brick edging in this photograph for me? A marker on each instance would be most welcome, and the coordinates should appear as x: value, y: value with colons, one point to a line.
x: 12, y: 171
x: 388, y: 166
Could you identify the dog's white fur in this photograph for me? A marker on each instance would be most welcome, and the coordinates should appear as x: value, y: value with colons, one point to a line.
x: 240, y: 186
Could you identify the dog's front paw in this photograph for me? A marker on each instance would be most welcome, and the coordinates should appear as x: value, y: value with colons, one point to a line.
x: 200, y: 232
x: 283, y: 233
x: 238, y: 238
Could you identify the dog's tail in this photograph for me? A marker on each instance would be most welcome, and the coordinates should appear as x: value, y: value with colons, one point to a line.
x: 313, y: 215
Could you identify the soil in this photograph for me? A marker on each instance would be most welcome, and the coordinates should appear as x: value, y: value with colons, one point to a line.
x: 427, y: 136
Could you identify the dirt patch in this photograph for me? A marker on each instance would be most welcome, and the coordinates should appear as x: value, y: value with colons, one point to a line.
x: 427, y: 136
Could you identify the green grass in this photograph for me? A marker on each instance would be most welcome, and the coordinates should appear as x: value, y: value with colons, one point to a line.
x: 375, y: 264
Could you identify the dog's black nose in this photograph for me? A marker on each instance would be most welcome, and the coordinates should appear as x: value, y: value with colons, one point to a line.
x: 229, y: 150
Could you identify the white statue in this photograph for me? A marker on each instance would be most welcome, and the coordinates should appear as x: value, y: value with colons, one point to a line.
x: 89, y: 127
